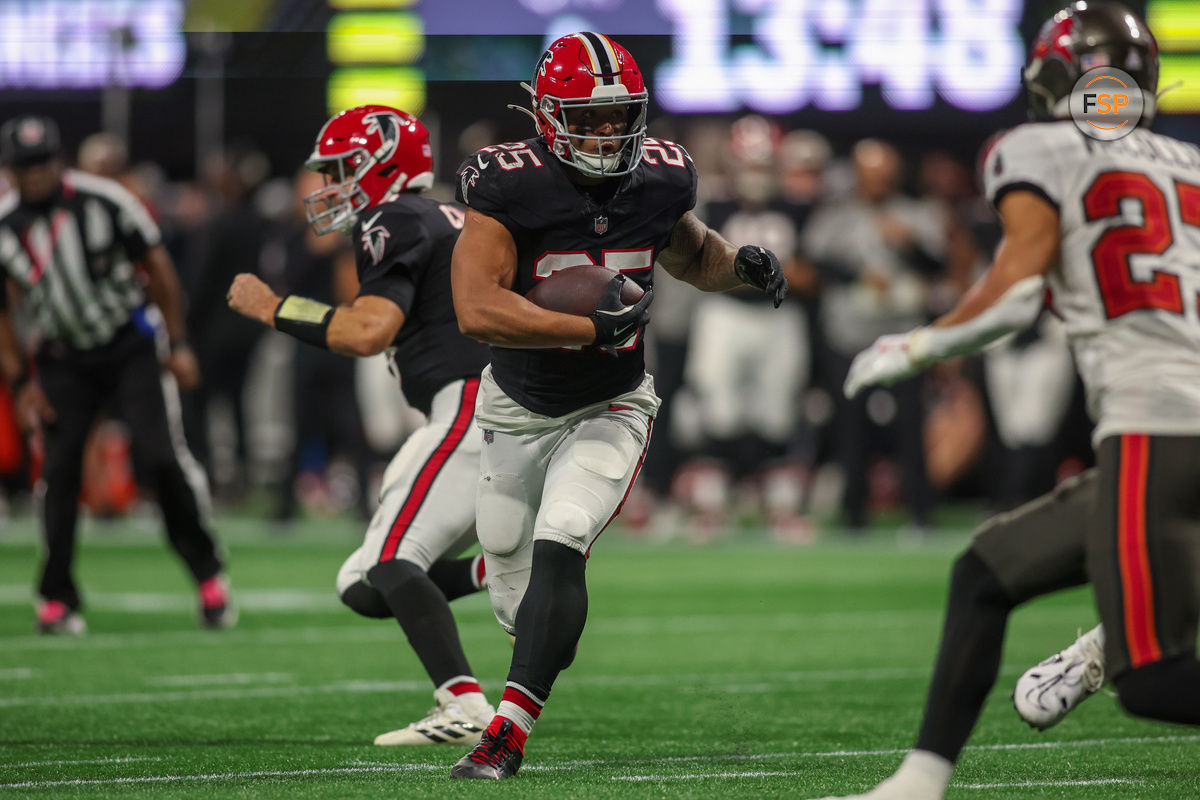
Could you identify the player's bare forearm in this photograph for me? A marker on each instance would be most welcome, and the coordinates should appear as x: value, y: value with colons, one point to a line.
x: 1028, y: 250
x: 504, y: 318
x: 365, y: 328
x: 700, y: 256
x: 481, y: 277
x: 165, y: 292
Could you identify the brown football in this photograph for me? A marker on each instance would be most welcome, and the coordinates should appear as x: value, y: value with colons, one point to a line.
x: 576, y: 290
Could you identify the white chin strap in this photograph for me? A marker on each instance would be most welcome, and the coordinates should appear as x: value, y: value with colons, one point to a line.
x: 597, y: 162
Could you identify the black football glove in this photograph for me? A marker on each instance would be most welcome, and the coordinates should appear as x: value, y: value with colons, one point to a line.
x: 615, y: 322
x: 758, y: 267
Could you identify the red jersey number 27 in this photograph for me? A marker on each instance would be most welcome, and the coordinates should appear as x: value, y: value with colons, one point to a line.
x: 1122, y: 292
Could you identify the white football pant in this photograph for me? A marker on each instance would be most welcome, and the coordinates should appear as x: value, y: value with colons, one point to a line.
x: 559, y: 479
x: 426, y: 509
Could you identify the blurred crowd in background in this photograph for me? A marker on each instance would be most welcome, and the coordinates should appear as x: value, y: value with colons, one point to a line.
x: 754, y: 431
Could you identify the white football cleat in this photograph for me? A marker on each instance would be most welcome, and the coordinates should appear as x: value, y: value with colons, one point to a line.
x: 454, y: 720
x: 1047, y: 692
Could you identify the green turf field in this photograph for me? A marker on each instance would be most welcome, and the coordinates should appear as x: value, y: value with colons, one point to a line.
x: 737, y: 669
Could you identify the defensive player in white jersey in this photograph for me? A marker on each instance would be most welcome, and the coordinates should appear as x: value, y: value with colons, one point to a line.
x: 1111, y: 232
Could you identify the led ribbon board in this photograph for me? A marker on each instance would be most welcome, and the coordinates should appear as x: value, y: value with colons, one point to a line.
x: 375, y: 47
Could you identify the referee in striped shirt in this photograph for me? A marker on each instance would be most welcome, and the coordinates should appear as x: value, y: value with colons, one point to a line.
x: 71, y: 246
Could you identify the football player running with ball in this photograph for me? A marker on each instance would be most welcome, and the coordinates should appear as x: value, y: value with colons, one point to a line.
x: 1112, y: 230
x: 376, y: 160
x: 566, y: 406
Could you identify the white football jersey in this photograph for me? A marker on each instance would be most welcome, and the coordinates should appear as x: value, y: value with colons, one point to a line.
x: 1127, y: 283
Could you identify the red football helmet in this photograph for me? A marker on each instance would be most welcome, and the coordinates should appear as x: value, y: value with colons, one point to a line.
x: 369, y: 154
x: 589, y: 69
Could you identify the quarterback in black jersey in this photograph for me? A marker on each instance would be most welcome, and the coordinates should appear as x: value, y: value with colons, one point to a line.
x: 566, y: 406
x: 377, y: 159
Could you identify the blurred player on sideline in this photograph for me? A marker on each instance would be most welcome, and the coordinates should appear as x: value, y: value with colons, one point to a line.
x: 566, y: 406
x: 377, y: 160
x: 1112, y: 230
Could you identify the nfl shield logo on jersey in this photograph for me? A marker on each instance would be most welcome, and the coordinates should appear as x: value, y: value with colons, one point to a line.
x: 600, y: 225
x: 489, y: 436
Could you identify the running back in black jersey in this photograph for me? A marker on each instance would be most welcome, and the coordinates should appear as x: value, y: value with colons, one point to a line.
x: 622, y: 224
x: 402, y: 250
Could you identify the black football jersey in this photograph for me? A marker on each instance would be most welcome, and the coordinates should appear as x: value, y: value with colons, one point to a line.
x: 402, y: 249
x: 623, y: 224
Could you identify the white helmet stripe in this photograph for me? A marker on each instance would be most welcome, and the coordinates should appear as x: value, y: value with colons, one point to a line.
x: 604, y: 63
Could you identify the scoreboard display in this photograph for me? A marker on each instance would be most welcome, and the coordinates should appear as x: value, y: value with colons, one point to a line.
x: 771, y: 56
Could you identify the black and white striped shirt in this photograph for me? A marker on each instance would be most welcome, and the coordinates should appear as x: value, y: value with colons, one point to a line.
x: 74, y: 260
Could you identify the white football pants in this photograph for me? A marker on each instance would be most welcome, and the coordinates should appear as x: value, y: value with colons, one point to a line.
x: 561, y: 479
x: 425, y: 509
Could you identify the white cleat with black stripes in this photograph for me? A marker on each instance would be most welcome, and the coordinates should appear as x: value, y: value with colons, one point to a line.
x: 449, y: 722
x: 1048, y: 691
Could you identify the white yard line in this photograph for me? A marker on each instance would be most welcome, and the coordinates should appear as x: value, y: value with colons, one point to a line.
x: 1030, y: 784
x: 263, y: 601
x: 66, y: 762
x: 232, y: 678
x: 346, y: 687
x: 213, y: 776
x: 16, y: 674
x: 335, y: 634
x: 287, y: 600
x: 739, y: 683
x: 367, y: 767
x: 706, y: 776
x: 204, y: 640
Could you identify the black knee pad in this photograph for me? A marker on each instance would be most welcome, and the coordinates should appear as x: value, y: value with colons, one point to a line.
x: 387, y: 576
x: 366, y: 601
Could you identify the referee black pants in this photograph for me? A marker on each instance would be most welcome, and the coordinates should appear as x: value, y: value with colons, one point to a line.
x: 123, y: 377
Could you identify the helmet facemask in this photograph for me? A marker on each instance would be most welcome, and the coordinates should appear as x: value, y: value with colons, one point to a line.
x: 551, y: 117
x: 335, y: 206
